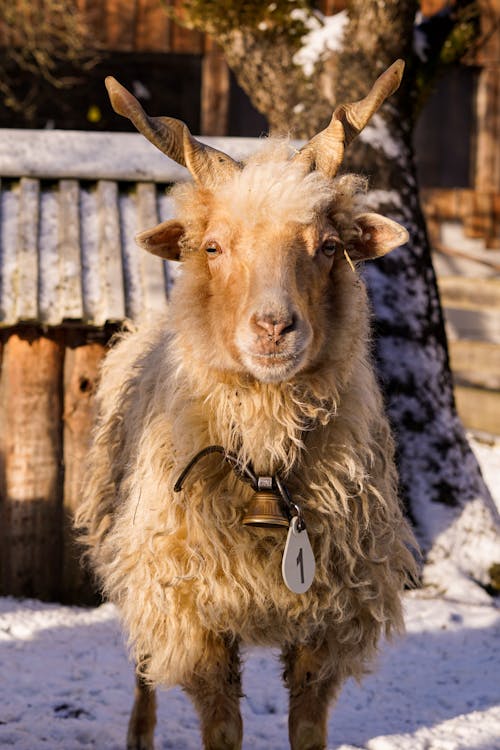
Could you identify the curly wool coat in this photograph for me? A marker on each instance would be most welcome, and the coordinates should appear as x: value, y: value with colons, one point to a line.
x: 182, y: 568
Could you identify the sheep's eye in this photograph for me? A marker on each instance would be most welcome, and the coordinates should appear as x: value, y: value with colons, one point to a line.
x: 330, y: 246
x: 212, y: 249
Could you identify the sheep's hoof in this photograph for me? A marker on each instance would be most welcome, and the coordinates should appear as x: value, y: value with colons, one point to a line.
x: 139, y: 741
x: 309, y: 736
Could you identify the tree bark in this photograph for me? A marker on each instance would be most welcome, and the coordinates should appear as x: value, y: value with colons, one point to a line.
x: 441, y: 482
x: 277, y: 87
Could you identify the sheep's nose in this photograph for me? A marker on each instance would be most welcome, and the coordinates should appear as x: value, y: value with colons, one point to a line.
x: 274, y: 326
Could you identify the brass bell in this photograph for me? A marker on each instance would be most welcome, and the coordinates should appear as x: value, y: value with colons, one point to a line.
x: 265, y: 509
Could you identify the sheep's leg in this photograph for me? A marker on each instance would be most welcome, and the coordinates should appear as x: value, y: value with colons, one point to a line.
x: 310, y: 696
x: 142, y: 720
x: 215, y: 689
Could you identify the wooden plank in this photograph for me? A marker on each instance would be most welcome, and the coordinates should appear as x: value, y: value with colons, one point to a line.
x: 448, y: 203
x: 330, y: 7
x: 443, y: 203
x: 31, y: 413
x: 9, y: 210
x: 479, y: 408
x: 479, y: 325
x: 466, y: 212
x: 465, y: 293
x: 109, y: 250
x: 489, y: 49
x: 427, y: 197
x: 465, y: 204
x: 214, y: 92
x: 487, y: 172
x: 183, y: 40
x: 64, y: 154
x: 431, y: 7
x: 27, y: 250
x: 493, y: 240
x: 120, y: 25
x: 152, y: 268
x: 70, y: 281
x: 167, y: 210
x: 477, y: 362
x: 81, y: 372
x: 480, y: 223
x: 49, y: 261
x: 152, y: 29
x: 94, y: 14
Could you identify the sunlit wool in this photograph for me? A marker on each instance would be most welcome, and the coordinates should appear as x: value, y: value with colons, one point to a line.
x: 182, y: 568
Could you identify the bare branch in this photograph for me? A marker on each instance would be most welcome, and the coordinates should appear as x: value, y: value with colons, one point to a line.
x: 41, y: 36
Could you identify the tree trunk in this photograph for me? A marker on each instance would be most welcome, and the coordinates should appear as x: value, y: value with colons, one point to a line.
x: 278, y: 88
x: 440, y: 479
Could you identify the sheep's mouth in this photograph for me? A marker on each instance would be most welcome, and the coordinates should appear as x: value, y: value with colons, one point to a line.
x: 274, y: 361
x: 273, y: 356
x: 274, y: 366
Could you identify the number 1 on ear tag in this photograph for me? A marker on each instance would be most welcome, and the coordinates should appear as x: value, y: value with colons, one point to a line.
x: 298, y: 564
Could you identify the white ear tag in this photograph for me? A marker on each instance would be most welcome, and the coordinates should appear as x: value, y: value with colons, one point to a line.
x: 298, y: 564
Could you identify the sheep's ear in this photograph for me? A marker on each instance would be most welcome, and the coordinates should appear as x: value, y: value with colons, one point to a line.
x: 162, y: 240
x: 379, y: 236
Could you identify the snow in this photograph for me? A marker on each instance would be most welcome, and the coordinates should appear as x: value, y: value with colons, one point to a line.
x: 376, y: 199
x: 91, y: 281
x: 68, y: 684
x: 420, y: 39
x: 48, y: 266
x: 325, y: 34
x: 378, y: 136
x: 9, y: 207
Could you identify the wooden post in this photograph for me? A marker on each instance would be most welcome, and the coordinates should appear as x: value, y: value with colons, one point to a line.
x: 480, y: 224
x: 487, y: 162
x: 81, y: 372
x: 488, y: 129
x: 330, y: 7
x: 94, y: 13
x: 430, y: 7
x: 152, y: 27
x: 184, y: 40
x: 120, y: 25
x: 31, y: 482
x: 494, y: 241
x: 465, y: 206
x: 214, y: 91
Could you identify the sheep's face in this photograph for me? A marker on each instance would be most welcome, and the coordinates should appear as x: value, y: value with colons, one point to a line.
x: 266, y: 291
x: 265, y: 279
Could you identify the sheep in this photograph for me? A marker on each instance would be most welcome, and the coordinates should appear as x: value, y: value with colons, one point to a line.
x: 264, y: 355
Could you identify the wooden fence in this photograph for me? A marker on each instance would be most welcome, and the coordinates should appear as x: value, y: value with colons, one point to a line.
x: 47, y: 389
x: 472, y: 309
x: 470, y: 295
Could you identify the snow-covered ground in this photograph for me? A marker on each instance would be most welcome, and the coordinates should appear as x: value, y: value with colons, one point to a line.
x: 67, y: 683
